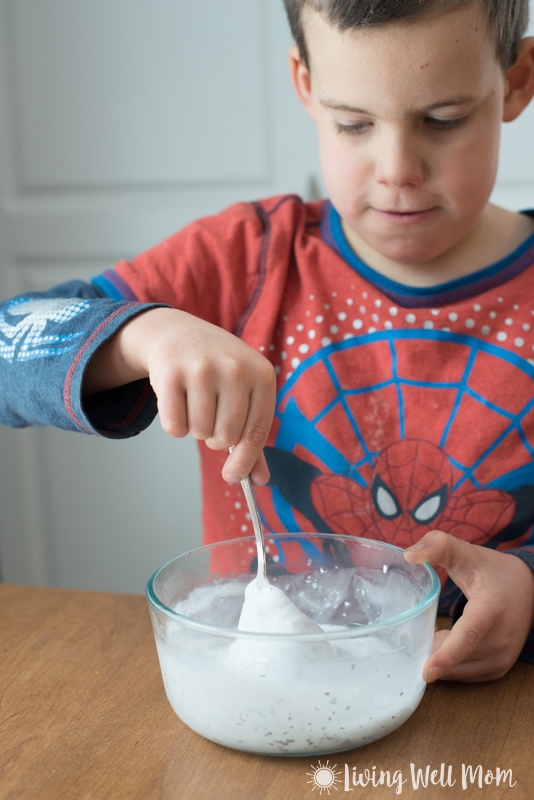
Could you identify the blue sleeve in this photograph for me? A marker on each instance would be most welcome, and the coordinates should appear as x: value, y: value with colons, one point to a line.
x: 46, y: 342
x: 526, y: 554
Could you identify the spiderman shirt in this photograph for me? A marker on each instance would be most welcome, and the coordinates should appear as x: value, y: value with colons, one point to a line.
x: 399, y: 410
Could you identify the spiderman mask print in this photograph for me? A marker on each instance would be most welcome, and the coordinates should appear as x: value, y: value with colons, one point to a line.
x: 392, y: 452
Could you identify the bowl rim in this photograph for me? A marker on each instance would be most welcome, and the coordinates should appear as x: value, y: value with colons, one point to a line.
x: 346, y: 633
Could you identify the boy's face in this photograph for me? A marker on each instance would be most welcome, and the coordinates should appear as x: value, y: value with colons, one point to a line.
x: 408, y: 119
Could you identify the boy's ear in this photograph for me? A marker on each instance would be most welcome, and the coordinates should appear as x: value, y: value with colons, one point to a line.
x: 301, y: 78
x: 519, y: 82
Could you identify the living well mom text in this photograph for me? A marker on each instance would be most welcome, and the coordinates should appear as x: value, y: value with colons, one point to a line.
x: 466, y: 776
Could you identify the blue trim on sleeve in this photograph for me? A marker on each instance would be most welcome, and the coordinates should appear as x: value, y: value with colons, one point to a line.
x: 114, y: 286
x: 525, y: 554
x: 443, y: 294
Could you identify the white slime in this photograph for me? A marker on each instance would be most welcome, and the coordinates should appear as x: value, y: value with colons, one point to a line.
x: 291, y: 696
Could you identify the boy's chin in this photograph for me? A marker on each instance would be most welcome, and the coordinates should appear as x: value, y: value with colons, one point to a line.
x: 407, y: 254
x: 381, y: 252
x: 413, y: 257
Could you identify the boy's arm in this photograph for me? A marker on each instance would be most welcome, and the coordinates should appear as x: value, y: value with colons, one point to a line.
x: 498, y: 617
x: 75, y: 359
x: 46, y: 342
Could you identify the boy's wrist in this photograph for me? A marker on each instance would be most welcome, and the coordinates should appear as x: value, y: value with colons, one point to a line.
x: 121, y: 358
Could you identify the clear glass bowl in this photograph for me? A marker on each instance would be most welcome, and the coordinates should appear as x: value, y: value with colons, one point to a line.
x: 287, y: 694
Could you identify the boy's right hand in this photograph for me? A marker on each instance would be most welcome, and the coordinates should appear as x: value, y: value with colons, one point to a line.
x: 208, y: 383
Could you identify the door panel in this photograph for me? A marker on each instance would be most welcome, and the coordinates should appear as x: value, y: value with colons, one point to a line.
x: 152, y: 82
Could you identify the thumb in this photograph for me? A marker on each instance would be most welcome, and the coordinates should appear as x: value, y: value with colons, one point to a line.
x: 460, y: 559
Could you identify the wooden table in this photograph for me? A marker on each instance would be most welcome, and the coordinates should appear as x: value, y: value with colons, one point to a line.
x: 83, y: 716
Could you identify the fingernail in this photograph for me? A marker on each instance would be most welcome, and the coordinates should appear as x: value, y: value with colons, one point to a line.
x: 417, y: 547
x: 229, y: 477
x: 434, y: 674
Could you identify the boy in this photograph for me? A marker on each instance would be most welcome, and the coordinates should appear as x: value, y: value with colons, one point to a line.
x: 387, y: 330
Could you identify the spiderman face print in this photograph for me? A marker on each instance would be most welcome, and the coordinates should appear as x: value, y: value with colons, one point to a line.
x: 391, y: 435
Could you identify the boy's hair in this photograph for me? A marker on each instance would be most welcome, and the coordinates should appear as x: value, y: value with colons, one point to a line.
x: 507, y: 19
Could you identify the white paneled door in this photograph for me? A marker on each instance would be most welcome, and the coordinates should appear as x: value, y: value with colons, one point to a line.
x: 121, y: 121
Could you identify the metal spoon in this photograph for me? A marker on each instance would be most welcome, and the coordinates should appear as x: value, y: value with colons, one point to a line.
x: 250, y: 497
x: 246, y: 485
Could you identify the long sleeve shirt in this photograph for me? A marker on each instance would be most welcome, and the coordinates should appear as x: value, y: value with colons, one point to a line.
x: 399, y: 409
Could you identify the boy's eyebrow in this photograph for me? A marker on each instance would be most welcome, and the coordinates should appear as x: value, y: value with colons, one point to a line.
x: 449, y: 101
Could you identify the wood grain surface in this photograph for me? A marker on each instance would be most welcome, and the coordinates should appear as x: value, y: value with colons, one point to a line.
x: 83, y: 716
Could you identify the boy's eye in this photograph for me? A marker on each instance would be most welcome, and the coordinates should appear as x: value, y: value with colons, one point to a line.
x: 355, y: 127
x: 446, y: 124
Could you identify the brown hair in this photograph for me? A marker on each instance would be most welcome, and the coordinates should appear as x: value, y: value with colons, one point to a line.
x: 507, y: 19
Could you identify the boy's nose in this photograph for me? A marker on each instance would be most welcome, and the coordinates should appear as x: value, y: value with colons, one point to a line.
x: 399, y: 163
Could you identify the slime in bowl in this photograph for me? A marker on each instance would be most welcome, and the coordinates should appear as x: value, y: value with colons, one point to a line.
x: 324, y: 655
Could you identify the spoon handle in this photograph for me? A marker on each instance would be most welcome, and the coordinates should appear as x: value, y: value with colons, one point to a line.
x: 250, y: 497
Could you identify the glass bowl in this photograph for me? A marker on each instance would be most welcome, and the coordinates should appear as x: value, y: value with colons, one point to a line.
x: 295, y: 694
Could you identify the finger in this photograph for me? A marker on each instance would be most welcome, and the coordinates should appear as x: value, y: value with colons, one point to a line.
x: 172, y: 409
x: 201, y: 411
x: 476, y: 670
x: 439, y: 639
x: 460, y: 644
x: 260, y: 472
x: 244, y: 457
x: 460, y: 559
x: 230, y: 419
x: 249, y: 449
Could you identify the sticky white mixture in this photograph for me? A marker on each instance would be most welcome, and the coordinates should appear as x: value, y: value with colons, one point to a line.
x: 290, y: 697
x: 268, y: 609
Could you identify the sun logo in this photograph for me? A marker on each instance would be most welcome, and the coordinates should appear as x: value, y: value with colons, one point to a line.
x: 324, y: 777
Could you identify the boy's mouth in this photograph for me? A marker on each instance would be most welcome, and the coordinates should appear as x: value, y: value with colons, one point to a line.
x: 405, y: 217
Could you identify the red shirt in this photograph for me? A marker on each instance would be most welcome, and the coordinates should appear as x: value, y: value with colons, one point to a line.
x: 399, y: 410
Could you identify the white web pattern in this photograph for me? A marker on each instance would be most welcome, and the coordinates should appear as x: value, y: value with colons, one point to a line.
x: 24, y: 320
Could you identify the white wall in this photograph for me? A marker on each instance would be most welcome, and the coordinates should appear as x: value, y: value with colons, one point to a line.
x: 515, y: 183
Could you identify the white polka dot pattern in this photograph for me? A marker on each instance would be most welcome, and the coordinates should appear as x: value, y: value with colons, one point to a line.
x: 491, y: 319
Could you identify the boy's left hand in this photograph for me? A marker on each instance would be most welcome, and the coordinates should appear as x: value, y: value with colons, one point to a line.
x: 499, y: 614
